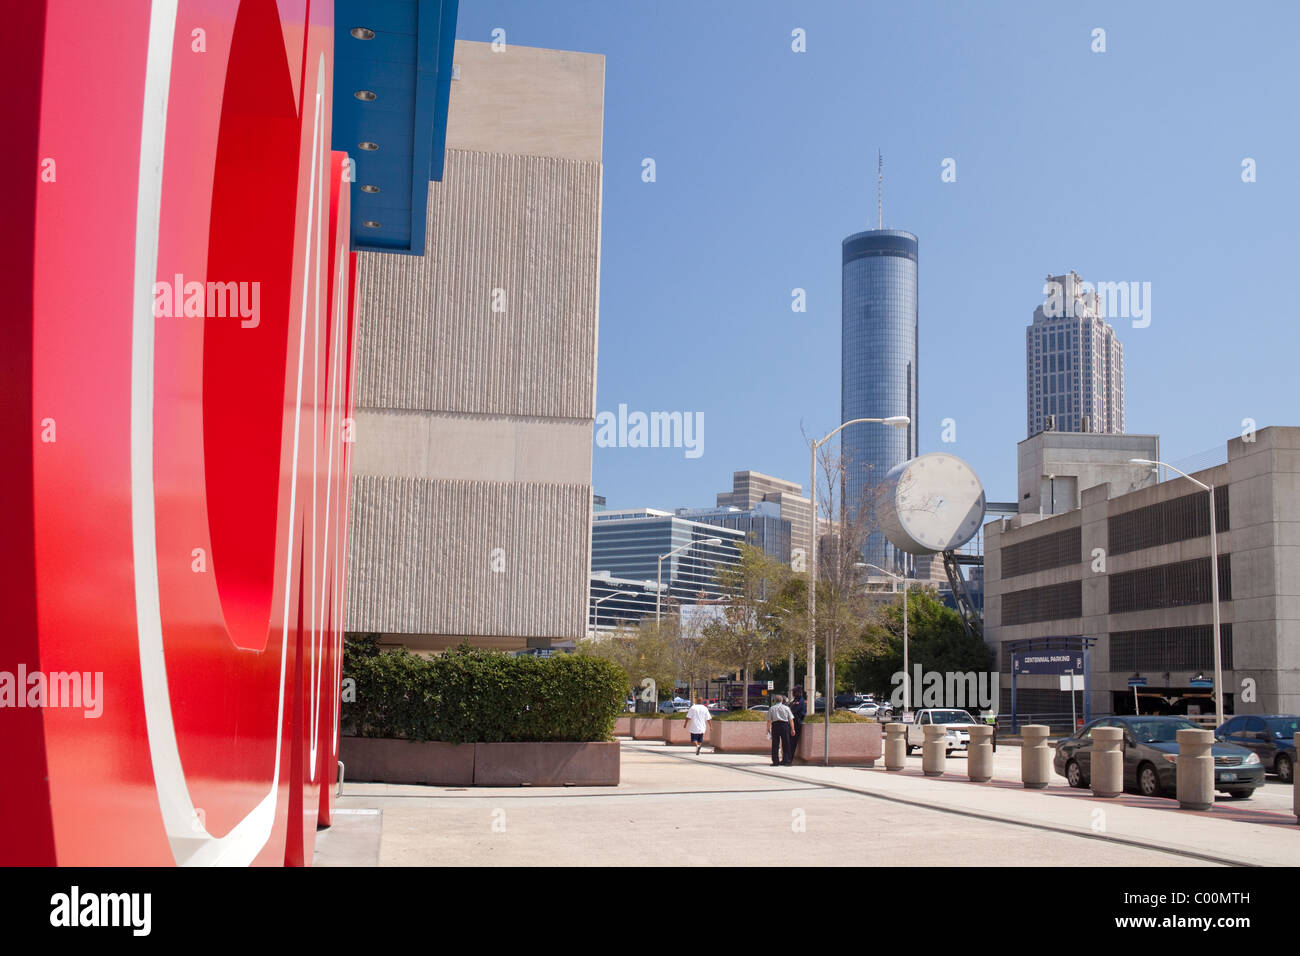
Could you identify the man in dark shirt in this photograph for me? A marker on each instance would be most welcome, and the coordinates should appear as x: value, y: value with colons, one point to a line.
x: 799, y: 709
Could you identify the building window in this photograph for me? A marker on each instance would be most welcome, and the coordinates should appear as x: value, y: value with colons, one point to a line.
x: 1163, y: 649
x: 1169, y: 585
x: 1051, y: 603
x: 1049, y: 551
x: 1178, y: 519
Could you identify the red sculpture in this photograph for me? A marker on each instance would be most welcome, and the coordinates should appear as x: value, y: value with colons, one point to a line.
x: 177, y: 386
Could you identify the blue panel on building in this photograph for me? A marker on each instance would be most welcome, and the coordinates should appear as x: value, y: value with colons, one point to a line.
x: 403, y: 56
x: 1047, y: 662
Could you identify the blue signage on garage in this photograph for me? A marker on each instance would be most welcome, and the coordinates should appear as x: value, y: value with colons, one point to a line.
x: 1047, y: 662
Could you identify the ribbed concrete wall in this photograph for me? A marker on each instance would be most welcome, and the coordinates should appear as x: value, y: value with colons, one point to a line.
x: 421, y: 557
x: 474, y: 425
x: 428, y: 338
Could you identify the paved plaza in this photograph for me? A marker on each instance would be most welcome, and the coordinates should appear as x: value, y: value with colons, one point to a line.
x: 674, y: 808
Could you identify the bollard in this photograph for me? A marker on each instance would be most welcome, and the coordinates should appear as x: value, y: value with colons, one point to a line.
x: 979, y: 754
x: 895, y: 746
x: 1107, y: 770
x: 1035, y: 756
x: 934, y: 752
x: 1195, y: 773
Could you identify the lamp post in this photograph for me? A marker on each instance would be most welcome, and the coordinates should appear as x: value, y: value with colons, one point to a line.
x: 660, y: 589
x: 897, y: 421
x: 1214, y: 585
x: 907, y: 677
x: 595, y: 613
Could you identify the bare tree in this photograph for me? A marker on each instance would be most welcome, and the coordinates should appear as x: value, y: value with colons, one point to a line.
x: 753, y: 589
x: 642, y: 651
x: 690, y: 652
x: 844, y: 613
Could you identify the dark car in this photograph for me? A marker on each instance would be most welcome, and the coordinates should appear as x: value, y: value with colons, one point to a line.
x: 1271, y: 738
x: 1150, y: 751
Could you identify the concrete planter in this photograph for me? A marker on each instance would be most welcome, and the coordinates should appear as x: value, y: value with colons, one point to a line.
x: 381, y: 760
x: 850, y: 744
x: 594, y: 764
x: 648, y: 728
x: 739, y: 737
x: 623, y: 726
x: 675, y: 732
x: 385, y: 760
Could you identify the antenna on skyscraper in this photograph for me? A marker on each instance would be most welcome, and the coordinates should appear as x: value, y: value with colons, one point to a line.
x: 880, y: 190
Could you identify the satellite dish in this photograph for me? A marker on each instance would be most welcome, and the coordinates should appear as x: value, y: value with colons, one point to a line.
x: 931, y: 503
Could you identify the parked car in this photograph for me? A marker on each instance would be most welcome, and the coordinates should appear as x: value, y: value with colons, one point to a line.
x: 718, y: 706
x: 1151, y: 754
x: 761, y: 708
x: 847, y: 700
x: 871, y: 708
x: 1271, y: 738
x: 957, y: 722
x: 677, y: 705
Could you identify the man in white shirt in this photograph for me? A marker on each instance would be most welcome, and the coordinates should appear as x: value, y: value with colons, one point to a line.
x: 780, y: 725
x: 697, y: 721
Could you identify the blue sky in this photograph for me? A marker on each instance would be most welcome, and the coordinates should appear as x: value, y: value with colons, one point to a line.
x: 1123, y: 166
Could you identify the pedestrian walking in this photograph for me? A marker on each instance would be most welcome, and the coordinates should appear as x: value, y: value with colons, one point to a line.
x: 697, y: 721
x: 800, y: 710
x: 780, y: 725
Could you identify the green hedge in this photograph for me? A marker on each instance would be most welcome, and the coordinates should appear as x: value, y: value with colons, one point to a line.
x: 840, y: 717
x: 751, y: 716
x: 468, y: 695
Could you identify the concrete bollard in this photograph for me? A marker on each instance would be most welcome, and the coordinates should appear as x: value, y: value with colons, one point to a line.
x: 1035, y: 756
x: 1195, y: 773
x: 1107, y: 770
x: 895, y: 746
x: 934, y: 752
x: 979, y: 754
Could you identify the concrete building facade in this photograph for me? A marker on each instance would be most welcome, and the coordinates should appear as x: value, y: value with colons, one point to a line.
x: 1130, y: 574
x: 1054, y: 467
x: 471, y: 499
x: 1074, y: 364
x: 751, y: 488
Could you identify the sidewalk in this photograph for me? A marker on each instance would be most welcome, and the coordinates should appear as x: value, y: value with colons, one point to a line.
x: 733, y: 809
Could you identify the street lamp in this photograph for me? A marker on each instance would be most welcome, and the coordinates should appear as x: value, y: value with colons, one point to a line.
x: 790, y: 673
x: 712, y: 542
x: 1214, y: 584
x: 595, y: 613
x: 907, y: 679
x: 897, y: 421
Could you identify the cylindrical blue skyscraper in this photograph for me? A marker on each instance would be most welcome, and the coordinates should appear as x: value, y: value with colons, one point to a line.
x: 878, y: 374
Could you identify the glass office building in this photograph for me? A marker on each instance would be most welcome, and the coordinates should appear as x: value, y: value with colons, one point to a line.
x: 628, y: 543
x: 879, y: 368
x: 762, y: 525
